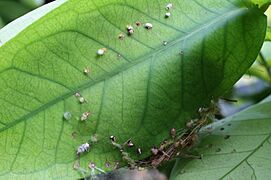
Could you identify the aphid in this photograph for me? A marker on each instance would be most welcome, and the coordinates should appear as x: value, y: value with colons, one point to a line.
x: 148, y: 26
x: 130, y: 30
x: 130, y: 143
x: 173, y: 132
x: 167, y: 15
x: 86, y: 71
x: 190, y: 124
x: 165, y: 43
x: 76, y: 165
x: 121, y: 36
x: 91, y: 165
x: 101, y: 51
x: 154, y: 150
x: 169, y: 6
x: 85, y: 116
x: 67, y: 115
x: 77, y: 94
x: 83, y: 148
x: 138, y: 23
x: 116, y: 166
x: 107, y: 164
x: 82, y: 100
x: 139, y: 151
x: 113, y: 138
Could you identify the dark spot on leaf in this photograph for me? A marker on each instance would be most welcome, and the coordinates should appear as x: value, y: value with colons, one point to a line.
x: 229, y: 124
x: 234, y: 150
x: 218, y: 150
x: 227, y: 137
x: 222, y: 129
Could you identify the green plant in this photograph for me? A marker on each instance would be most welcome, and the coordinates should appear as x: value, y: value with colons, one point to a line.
x: 141, y: 87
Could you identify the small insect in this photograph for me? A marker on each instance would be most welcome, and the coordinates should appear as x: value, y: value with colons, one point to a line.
x: 113, y: 138
x: 167, y: 15
x: 77, y: 94
x: 83, y: 148
x: 148, y: 26
x: 190, y: 124
x: 91, y: 165
x: 67, y: 115
x: 154, y: 150
x: 101, y: 51
x: 86, y: 71
x: 85, y: 116
x: 169, y: 6
x: 76, y: 165
x: 121, y: 36
x: 173, y: 132
x: 138, y: 23
x: 107, y: 164
x: 116, y: 166
x: 139, y: 151
x: 130, y: 143
x: 165, y: 43
x: 82, y: 100
x: 130, y: 30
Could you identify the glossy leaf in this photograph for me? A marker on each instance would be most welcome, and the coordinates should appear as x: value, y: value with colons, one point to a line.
x: 237, y: 148
x: 139, y: 89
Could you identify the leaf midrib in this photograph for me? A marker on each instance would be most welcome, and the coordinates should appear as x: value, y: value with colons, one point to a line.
x: 121, y: 69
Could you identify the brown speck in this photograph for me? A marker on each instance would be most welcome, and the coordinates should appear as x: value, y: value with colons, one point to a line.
x: 138, y: 23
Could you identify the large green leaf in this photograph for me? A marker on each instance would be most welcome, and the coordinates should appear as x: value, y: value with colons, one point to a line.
x: 139, y: 89
x: 238, y: 148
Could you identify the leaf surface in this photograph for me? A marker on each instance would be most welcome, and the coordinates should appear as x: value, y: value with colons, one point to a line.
x: 139, y: 89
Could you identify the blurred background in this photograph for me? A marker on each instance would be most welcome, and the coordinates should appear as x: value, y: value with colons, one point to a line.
x: 12, y: 9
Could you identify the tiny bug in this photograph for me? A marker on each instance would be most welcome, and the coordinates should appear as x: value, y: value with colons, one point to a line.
x: 121, y: 36
x: 83, y: 148
x: 67, y: 115
x: 113, y: 138
x: 165, y: 43
x: 94, y: 138
x: 82, y: 100
x: 101, y: 51
x: 167, y: 15
x: 139, y: 151
x: 86, y: 71
x: 154, y: 150
x: 130, y: 30
x: 148, y: 26
x: 130, y: 143
x: 107, y: 164
x: 85, y: 116
x: 169, y: 6
x: 138, y: 23
x: 77, y: 94
x: 173, y: 132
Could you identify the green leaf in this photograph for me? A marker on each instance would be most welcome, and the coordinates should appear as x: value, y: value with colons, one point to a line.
x: 139, y: 89
x: 268, y: 34
x: 238, y: 147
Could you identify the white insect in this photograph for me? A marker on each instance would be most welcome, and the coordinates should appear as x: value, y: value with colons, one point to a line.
x: 67, y: 115
x: 130, y: 30
x: 165, y: 43
x: 167, y: 15
x: 82, y: 100
x: 85, y: 116
x: 86, y: 71
x: 83, y: 148
x: 148, y: 26
x: 169, y: 6
x: 101, y: 51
